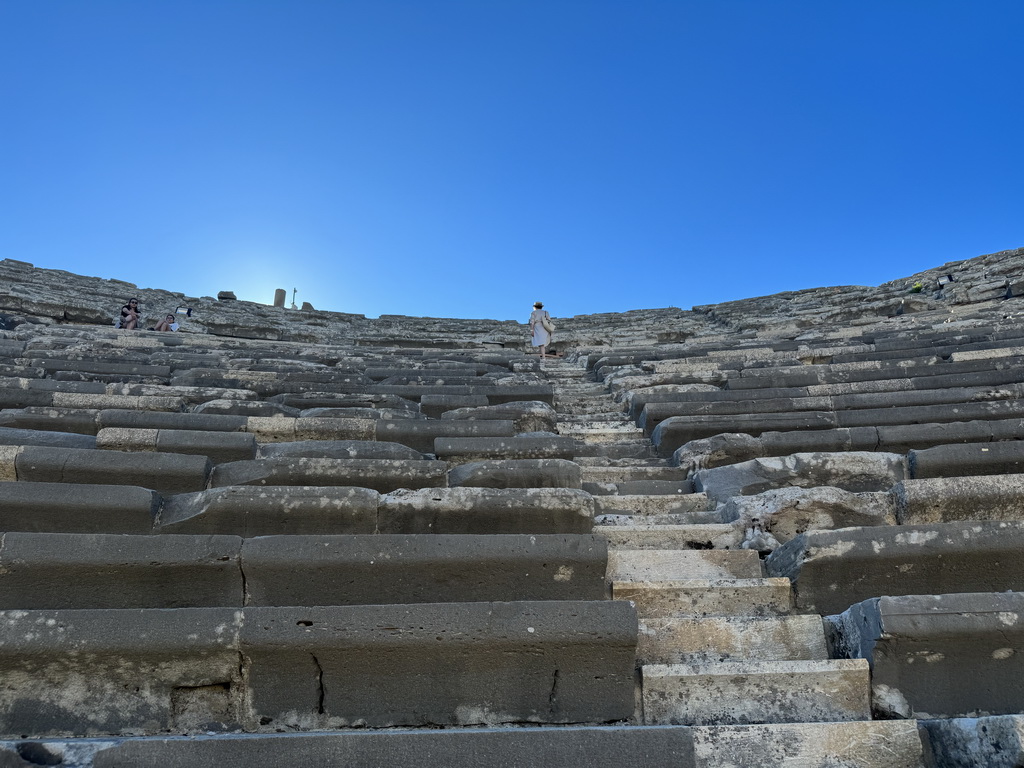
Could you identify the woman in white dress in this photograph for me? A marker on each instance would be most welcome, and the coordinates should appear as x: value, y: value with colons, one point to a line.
x: 541, y: 336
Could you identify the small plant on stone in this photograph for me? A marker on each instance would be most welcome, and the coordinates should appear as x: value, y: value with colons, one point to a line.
x: 916, y: 288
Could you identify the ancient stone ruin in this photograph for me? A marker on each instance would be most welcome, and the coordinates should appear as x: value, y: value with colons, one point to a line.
x: 779, y: 532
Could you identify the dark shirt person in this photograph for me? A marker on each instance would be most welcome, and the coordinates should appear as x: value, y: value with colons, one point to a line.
x: 130, y: 315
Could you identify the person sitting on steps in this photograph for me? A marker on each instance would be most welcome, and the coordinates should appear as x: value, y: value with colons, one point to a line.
x: 130, y: 315
x: 167, y: 324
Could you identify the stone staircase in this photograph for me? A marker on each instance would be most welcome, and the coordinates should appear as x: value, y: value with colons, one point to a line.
x: 719, y: 644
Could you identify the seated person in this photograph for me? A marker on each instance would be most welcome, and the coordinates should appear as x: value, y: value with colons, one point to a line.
x: 167, y: 324
x: 130, y: 315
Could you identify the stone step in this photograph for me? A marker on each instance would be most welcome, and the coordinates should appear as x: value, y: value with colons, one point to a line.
x: 631, y: 565
x: 628, y: 449
x: 739, y: 693
x: 661, y: 504
x: 701, y: 640
x: 307, y: 668
x: 601, y: 435
x: 633, y: 474
x: 123, y: 571
x: 663, y: 537
x: 587, y: 407
x: 641, y: 488
x: 707, y: 597
x: 568, y: 747
x: 854, y: 744
x: 604, y: 422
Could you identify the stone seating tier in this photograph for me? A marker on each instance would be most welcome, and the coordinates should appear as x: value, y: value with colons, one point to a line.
x: 333, y: 437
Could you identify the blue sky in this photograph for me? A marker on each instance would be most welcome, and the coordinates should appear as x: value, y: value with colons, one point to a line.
x: 466, y: 158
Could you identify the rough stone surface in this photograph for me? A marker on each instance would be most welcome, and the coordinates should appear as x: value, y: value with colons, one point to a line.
x: 274, y: 510
x: 787, y: 512
x: 517, y: 473
x: 855, y: 471
x: 939, y: 655
x: 487, y: 510
x: 886, y: 744
x: 384, y: 569
x: 993, y: 742
x: 832, y: 570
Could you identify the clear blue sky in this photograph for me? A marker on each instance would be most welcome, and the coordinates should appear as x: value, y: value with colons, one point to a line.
x: 465, y: 158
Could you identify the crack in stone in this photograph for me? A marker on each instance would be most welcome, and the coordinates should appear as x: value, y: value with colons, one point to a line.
x: 320, y: 685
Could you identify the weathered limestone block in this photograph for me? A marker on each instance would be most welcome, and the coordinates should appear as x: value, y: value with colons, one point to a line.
x: 249, y: 511
x: 736, y: 693
x: 787, y: 512
x: 630, y: 565
x: 527, y: 416
x: 11, y: 436
x: 487, y: 510
x: 994, y: 742
x: 67, y: 508
x: 82, y: 422
x: 677, y: 430
x: 383, y: 475
x: 435, y: 406
x: 219, y: 447
x: 948, y: 499
x: 706, y: 597
x: 832, y: 570
x: 339, y: 449
x: 380, y: 666
x: 164, y: 472
x: 104, y: 402
x: 870, y: 744
x: 466, y: 449
x: 276, y: 429
x: 663, y: 536
x: 235, y: 407
x: 856, y: 471
x: 371, y: 570
x: 204, y: 422
x: 81, y: 570
x: 717, y: 451
x: 421, y: 435
x: 94, y: 672
x: 568, y: 747
x: 938, y: 655
x: 698, y: 640
x: 969, y: 459
x: 517, y: 473
x: 9, y: 462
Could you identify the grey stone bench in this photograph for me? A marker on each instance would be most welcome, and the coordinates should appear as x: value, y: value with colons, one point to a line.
x: 951, y: 499
x: 383, y: 475
x: 68, y: 508
x: 621, y: 746
x: 939, y: 656
x: 421, y: 434
x: 56, y: 570
x: 466, y: 449
x: 832, y: 570
x: 164, y: 472
x: 730, y: 448
x: 271, y: 511
x: 218, y: 447
x: 1000, y: 458
x: 96, y: 672
x: 487, y: 511
x: 517, y: 473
